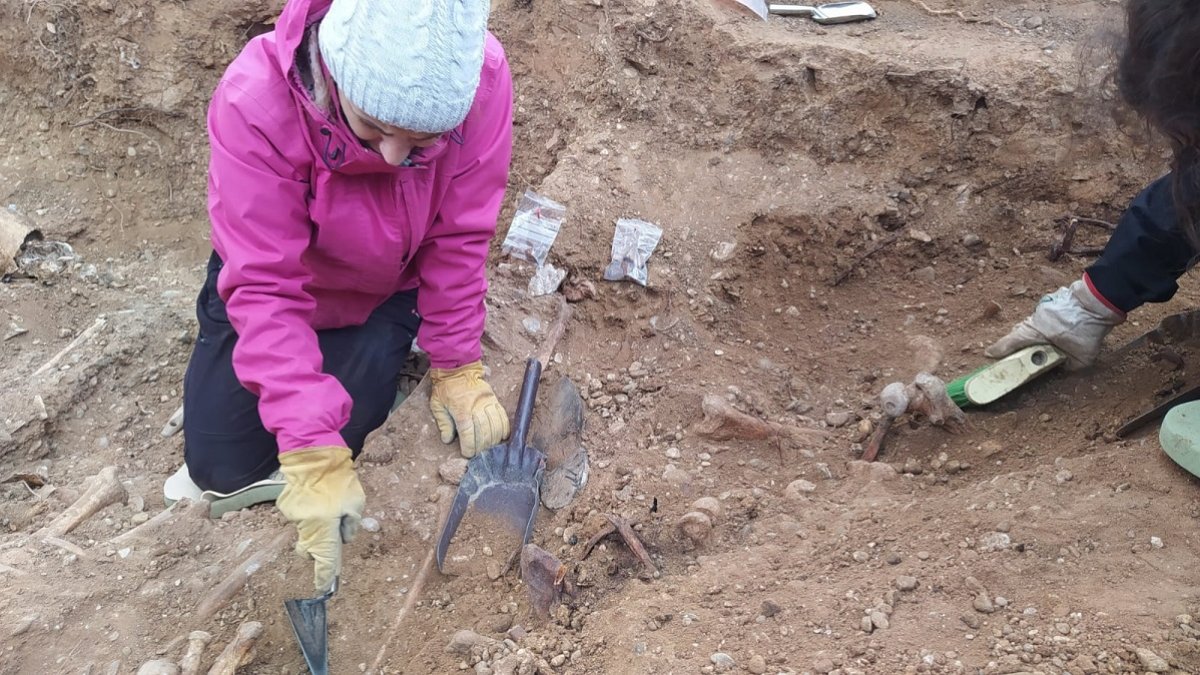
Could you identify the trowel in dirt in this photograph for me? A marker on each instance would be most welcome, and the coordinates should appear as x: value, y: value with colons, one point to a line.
x: 503, y: 481
x: 312, y: 633
x: 828, y: 13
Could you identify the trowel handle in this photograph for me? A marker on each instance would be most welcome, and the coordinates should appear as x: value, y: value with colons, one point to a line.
x: 533, y: 372
x: 791, y: 10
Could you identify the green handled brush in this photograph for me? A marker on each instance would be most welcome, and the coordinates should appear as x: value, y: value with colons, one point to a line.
x: 998, y: 379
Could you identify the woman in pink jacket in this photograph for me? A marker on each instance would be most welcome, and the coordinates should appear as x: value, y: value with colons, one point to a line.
x: 360, y: 152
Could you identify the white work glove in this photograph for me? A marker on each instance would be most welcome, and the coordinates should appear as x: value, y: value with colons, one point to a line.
x: 1072, y: 319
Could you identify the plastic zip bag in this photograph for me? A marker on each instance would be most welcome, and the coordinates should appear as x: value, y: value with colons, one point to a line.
x: 534, y: 227
x: 633, y: 242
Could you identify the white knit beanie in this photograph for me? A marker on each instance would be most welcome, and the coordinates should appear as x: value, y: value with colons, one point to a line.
x: 414, y: 64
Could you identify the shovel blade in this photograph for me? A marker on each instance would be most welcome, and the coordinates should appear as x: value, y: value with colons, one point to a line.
x: 311, y: 628
x: 502, y: 483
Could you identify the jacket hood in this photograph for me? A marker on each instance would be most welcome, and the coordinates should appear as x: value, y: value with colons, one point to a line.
x: 329, y: 135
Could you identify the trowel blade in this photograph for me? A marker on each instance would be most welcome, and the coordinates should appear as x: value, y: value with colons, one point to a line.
x: 309, y: 623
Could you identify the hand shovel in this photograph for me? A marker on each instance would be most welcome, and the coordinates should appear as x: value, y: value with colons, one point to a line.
x: 829, y: 13
x: 308, y: 621
x: 503, y: 481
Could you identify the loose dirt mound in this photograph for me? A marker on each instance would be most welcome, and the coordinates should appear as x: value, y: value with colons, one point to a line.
x: 842, y: 207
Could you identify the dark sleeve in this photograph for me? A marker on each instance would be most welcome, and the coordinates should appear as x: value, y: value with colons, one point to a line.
x: 1146, y: 254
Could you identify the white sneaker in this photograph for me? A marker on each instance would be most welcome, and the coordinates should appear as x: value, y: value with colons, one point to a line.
x: 180, y: 486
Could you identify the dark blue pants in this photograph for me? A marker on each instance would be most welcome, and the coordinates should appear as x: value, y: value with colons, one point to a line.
x: 226, y: 446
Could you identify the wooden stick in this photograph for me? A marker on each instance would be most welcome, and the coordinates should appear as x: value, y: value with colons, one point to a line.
x: 65, y: 545
x: 240, y: 651
x: 104, y: 491
x: 445, y: 499
x: 83, y: 337
x: 863, y: 257
x: 233, y: 584
x: 190, y: 663
x: 877, y: 438
x: 186, y: 509
x: 546, y: 353
x: 960, y: 15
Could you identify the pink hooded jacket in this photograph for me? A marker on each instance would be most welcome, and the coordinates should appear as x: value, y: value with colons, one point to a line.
x: 316, y: 231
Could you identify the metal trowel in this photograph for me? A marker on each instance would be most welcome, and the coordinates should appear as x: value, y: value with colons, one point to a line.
x: 312, y: 630
x: 828, y: 13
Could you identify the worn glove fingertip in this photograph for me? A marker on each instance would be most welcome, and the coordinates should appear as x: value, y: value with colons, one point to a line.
x: 445, y: 423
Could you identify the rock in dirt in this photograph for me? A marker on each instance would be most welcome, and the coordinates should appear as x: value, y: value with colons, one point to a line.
x: 507, y: 665
x: 757, y: 664
x: 158, y: 667
x: 557, y: 430
x: 498, y: 624
x: 983, y: 604
x: 708, y: 506
x: 797, y: 489
x: 837, y: 419
x: 462, y: 642
x: 673, y: 475
x: 545, y: 578
x: 770, y: 608
x: 994, y: 541
x: 1151, y: 661
x: 452, y: 470
x: 906, y: 583
x: 871, y: 472
x: 722, y: 662
x: 879, y: 620
x: 927, y: 354
x: 696, y: 527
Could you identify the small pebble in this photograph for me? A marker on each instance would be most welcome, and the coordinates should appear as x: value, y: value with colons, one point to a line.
x: 1063, y: 476
x: 983, y: 604
x: 906, y: 583
x: 837, y: 419
x: 158, y: 667
x: 494, y: 570
x: 370, y: 524
x: 757, y: 664
x: 798, y: 488
x: 860, y: 556
x: 1151, y: 661
x: 452, y: 470
x: 1156, y: 542
x: 879, y: 620
x: 722, y: 662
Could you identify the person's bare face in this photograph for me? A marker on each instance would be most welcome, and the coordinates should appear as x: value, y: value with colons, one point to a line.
x: 392, y: 143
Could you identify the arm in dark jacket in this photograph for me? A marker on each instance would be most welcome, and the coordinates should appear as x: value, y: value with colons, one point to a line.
x: 1146, y: 254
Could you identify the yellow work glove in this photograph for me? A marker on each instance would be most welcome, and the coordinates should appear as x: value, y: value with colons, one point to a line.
x: 465, y: 405
x: 325, y: 500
